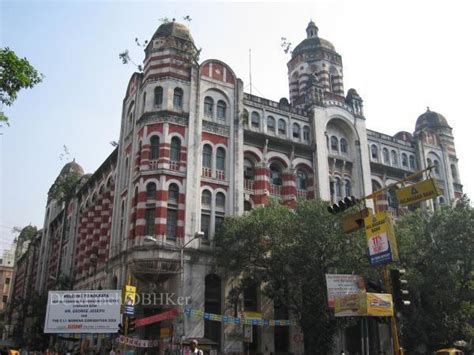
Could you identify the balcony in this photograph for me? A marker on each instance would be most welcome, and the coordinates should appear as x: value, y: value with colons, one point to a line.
x: 220, y: 175
x: 207, y: 172
x: 248, y: 184
x: 174, y: 165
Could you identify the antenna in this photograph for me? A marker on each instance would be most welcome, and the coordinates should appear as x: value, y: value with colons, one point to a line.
x: 250, y: 69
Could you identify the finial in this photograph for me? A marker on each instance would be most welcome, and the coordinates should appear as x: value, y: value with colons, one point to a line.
x: 427, y: 108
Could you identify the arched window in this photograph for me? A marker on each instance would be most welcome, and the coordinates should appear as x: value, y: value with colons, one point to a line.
x: 374, y: 152
x: 436, y: 167
x: 172, y: 211
x: 275, y: 174
x: 412, y: 162
x: 343, y: 145
x: 306, y: 133
x: 158, y: 96
x: 454, y: 172
x: 151, y: 190
x: 255, y: 120
x: 207, y: 156
x: 154, y: 147
x: 173, y: 193
x: 332, y: 79
x: 394, y: 158
x: 338, y: 188
x: 206, y: 199
x: 282, y: 127
x: 249, y: 171
x: 348, y: 188
x: 404, y: 160
x: 178, y: 98
x: 221, y: 109
x: 208, y: 106
x: 386, y: 156
x: 220, y: 201
x: 175, y: 153
x: 220, y: 159
x: 296, y: 131
x: 301, y: 179
x: 270, y: 124
x: 334, y: 144
x: 441, y: 200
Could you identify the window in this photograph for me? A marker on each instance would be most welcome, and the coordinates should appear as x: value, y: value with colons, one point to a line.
x: 428, y: 162
x: 144, y: 102
x: 249, y: 172
x: 151, y: 190
x: 171, y: 223
x: 332, y: 189
x: 296, y: 131
x: 220, y: 201
x: 175, y: 154
x: 334, y: 144
x: 221, y: 109
x: 301, y: 179
x: 343, y: 145
x: 150, y: 221
x: 154, y: 147
x: 205, y: 224
x: 220, y: 159
x: 306, y: 133
x: 206, y: 199
x: 404, y: 160
x: 207, y: 156
x: 282, y: 127
x: 255, y: 120
x: 436, y: 167
x: 208, y: 106
x: 178, y: 98
x: 337, y: 186
x: 374, y: 152
x: 173, y: 194
x: 5, y: 299
x: 332, y: 79
x: 270, y: 124
x: 441, y: 200
x: 7, y: 281
x: 412, y: 162
x: 394, y: 158
x: 386, y: 156
x: 158, y: 96
x: 348, y: 188
x: 275, y: 174
x: 454, y: 173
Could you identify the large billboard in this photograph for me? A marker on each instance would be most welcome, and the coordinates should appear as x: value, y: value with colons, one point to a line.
x: 83, y: 312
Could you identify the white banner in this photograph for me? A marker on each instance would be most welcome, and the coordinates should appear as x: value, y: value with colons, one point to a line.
x: 137, y: 343
x: 339, y: 285
x: 83, y: 311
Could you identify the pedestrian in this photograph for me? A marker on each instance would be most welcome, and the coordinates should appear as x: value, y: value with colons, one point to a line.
x: 194, y: 348
x: 112, y: 352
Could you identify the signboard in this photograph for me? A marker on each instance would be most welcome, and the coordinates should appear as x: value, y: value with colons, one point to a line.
x: 137, y: 343
x: 165, y: 332
x: 424, y: 190
x: 83, y: 312
x: 364, y: 304
x: 248, y: 333
x: 129, y: 296
x: 340, y: 285
x: 380, y: 239
x: 156, y: 318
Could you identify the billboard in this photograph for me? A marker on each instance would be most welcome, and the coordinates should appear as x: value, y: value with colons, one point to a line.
x: 364, y: 304
x: 83, y: 312
x: 343, y: 284
x: 380, y: 239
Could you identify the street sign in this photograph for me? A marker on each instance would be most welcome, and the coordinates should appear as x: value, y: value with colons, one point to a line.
x: 380, y: 239
x: 424, y: 190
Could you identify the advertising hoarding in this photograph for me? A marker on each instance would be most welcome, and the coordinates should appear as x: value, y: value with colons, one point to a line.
x: 83, y: 311
x: 380, y: 239
x: 343, y: 284
x: 364, y: 304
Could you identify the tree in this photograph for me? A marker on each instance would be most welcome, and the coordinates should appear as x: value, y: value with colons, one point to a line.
x: 289, y: 252
x: 15, y: 74
x: 437, y: 250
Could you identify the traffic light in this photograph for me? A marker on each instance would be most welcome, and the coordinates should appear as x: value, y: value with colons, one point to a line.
x: 131, y: 325
x: 343, y: 205
x: 121, y: 331
x: 399, y: 287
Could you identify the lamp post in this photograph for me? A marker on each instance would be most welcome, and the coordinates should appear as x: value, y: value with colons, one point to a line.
x: 197, y: 235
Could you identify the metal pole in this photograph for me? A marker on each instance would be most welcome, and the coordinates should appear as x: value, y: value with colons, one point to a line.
x: 181, y: 294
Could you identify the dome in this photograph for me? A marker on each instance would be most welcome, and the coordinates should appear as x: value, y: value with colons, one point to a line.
x: 404, y: 136
x: 72, y: 167
x: 313, y: 42
x: 173, y: 29
x: 431, y: 119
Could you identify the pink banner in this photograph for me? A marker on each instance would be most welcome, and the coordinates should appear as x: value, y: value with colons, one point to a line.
x: 156, y: 318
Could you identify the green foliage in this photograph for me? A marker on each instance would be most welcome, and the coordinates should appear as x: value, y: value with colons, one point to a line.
x: 437, y: 250
x: 289, y: 252
x: 15, y: 74
x: 64, y: 187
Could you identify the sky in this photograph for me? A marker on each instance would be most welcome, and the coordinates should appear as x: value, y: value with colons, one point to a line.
x: 401, y: 56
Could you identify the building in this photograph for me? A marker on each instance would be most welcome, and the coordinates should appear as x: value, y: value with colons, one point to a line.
x: 6, y: 275
x: 194, y: 148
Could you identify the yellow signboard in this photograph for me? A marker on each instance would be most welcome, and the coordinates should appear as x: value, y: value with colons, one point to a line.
x: 252, y: 315
x: 129, y: 295
x: 424, y: 190
x: 165, y: 332
x: 380, y: 239
x: 364, y: 304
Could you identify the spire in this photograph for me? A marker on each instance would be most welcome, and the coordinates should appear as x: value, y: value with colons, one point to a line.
x: 311, y: 30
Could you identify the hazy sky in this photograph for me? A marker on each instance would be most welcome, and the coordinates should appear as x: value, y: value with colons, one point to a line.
x: 401, y: 56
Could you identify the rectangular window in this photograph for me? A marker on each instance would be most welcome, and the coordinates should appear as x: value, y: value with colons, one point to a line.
x: 150, y: 221
x: 218, y: 222
x: 171, y: 223
x: 5, y: 299
x: 205, y: 224
x: 7, y: 281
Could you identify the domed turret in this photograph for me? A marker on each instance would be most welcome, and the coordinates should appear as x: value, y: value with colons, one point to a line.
x: 313, y: 42
x: 72, y: 167
x: 431, y: 119
x: 173, y: 29
x: 404, y: 136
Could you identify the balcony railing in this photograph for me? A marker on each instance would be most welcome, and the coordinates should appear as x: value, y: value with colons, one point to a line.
x: 220, y: 175
x: 302, y: 194
x: 275, y: 190
x: 248, y: 184
x: 207, y: 172
x: 174, y: 165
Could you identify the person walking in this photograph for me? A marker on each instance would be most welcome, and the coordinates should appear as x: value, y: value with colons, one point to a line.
x: 194, y: 348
